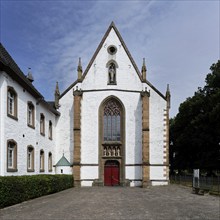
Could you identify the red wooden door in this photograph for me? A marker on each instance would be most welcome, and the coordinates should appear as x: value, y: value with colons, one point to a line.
x: 111, y: 173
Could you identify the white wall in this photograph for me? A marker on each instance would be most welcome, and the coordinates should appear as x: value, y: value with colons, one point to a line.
x: 64, y: 128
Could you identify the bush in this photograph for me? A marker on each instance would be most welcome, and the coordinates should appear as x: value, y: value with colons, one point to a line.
x: 16, y: 189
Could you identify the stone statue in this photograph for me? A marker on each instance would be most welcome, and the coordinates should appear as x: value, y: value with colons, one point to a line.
x: 111, y: 72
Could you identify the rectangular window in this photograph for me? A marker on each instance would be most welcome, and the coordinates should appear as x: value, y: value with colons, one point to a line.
x: 11, y: 156
x: 12, y: 103
x: 41, y: 161
x: 30, y: 114
x: 42, y: 124
x: 50, y: 132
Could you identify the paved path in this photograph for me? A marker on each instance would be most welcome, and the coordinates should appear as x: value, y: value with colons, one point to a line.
x: 164, y: 202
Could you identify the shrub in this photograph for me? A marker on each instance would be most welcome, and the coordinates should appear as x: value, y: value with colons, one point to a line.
x: 16, y: 189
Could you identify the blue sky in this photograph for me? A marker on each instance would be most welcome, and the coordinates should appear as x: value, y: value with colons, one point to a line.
x: 179, y: 39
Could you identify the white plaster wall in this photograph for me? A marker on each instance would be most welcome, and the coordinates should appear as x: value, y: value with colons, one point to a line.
x: 64, y: 128
x: 157, y: 106
x: 134, y: 173
x: 126, y: 76
x: 65, y: 169
x: 2, y: 123
x: 89, y: 172
x: 24, y: 135
x: 157, y: 172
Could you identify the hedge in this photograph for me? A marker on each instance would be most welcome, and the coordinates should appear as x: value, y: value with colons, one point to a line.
x: 16, y: 189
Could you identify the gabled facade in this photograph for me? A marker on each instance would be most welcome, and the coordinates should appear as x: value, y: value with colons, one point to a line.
x: 116, y: 122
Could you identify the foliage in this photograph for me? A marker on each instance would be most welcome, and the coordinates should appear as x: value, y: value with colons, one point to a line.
x: 195, y: 131
x: 16, y: 189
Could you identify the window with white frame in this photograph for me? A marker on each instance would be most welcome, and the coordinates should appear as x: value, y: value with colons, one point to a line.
x: 11, y: 156
x: 41, y: 161
x: 30, y: 115
x: 12, y: 102
x: 30, y: 159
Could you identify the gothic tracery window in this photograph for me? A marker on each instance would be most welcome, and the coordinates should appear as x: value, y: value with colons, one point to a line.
x: 112, y: 121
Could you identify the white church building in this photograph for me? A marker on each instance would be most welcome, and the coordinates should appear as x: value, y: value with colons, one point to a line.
x: 110, y: 127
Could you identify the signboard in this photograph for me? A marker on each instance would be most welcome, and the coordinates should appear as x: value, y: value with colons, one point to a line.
x: 196, y: 178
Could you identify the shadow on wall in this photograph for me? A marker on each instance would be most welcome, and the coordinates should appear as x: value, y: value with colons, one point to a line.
x: 138, y: 142
x: 71, y: 134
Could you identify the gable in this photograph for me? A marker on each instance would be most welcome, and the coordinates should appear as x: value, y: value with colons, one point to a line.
x: 128, y: 76
x: 127, y: 73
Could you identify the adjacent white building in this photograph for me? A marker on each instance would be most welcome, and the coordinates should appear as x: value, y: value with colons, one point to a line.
x: 112, y: 124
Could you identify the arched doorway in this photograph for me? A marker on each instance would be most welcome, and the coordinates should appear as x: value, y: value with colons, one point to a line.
x: 112, y: 173
x: 112, y: 142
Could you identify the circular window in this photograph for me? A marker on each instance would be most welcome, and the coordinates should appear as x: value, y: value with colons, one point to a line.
x: 112, y: 50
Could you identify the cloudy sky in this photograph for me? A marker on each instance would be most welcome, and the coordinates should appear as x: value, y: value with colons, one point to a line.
x: 179, y: 39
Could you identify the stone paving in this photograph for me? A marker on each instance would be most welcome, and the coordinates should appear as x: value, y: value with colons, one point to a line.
x: 162, y: 202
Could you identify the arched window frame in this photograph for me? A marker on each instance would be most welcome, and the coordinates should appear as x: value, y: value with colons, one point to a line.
x: 30, y: 115
x: 41, y: 162
x: 30, y: 158
x: 11, y: 156
x: 12, y: 103
x: 50, y: 162
x: 42, y: 124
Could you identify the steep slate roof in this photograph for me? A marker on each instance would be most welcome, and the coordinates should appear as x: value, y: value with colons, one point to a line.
x: 63, y: 162
x: 112, y: 25
x: 8, y: 65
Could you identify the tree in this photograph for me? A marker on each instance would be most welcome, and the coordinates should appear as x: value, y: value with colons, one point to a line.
x: 195, y: 131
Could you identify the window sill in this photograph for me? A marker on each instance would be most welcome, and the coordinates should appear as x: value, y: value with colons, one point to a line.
x: 112, y: 83
x: 12, y: 116
x: 50, y: 138
x: 41, y: 171
x: 12, y: 170
x: 43, y: 134
x: 30, y: 170
x: 111, y: 143
x: 31, y: 126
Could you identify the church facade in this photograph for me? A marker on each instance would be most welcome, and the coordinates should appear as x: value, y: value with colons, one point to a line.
x: 110, y: 127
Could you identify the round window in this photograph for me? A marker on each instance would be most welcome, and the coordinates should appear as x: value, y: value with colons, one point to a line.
x: 112, y: 50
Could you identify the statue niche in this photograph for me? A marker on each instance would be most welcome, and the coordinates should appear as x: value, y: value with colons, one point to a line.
x: 112, y: 74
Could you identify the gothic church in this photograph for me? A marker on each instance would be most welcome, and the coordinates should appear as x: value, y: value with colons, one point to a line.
x: 110, y: 127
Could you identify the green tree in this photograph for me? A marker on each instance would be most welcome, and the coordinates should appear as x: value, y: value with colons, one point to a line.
x: 195, y: 131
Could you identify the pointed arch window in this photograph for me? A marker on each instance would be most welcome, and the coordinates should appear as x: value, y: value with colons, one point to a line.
x: 12, y: 103
x: 112, y: 121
